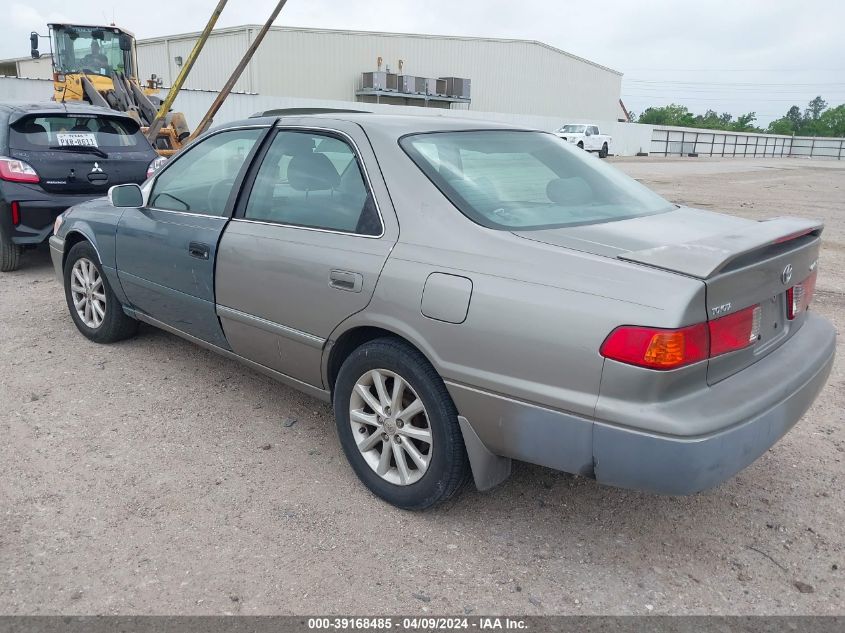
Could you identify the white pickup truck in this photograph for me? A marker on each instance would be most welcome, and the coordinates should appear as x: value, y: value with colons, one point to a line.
x: 586, y: 136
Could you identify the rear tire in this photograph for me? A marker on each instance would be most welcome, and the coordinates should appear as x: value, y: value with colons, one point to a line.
x: 10, y: 253
x: 603, y: 151
x: 83, y: 272
x: 433, y: 469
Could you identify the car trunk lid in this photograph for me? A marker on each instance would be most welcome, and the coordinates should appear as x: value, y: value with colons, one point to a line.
x: 81, y: 153
x: 741, y: 262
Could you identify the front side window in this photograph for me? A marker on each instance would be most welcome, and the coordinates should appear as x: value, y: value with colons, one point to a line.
x: 515, y: 180
x: 95, y: 50
x: 201, y: 180
x: 68, y: 130
x: 313, y: 180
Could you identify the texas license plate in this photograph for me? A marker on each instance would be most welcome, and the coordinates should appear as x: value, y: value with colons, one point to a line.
x: 67, y: 139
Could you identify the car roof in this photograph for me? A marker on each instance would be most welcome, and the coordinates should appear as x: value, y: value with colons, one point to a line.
x: 393, y: 124
x: 18, y: 109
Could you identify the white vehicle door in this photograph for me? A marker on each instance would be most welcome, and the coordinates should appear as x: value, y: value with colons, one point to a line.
x: 595, y: 141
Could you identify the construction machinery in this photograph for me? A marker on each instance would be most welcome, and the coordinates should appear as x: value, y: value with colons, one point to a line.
x: 98, y: 64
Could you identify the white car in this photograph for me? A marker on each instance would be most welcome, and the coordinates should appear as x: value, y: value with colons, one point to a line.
x: 586, y: 136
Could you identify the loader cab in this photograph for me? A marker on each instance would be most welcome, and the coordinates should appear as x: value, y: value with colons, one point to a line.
x: 97, y: 50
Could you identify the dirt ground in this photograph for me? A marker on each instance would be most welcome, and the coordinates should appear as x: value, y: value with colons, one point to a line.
x: 136, y: 479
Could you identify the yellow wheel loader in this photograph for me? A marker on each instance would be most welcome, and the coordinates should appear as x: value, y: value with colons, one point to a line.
x: 98, y: 64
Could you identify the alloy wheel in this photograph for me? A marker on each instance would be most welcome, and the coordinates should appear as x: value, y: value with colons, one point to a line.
x: 88, y: 293
x: 391, y: 427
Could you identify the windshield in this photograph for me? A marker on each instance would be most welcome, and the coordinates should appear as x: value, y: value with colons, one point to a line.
x: 93, y: 49
x: 573, y: 129
x: 44, y: 132
x: 514, y: 180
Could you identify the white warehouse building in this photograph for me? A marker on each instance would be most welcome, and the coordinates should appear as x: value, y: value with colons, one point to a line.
x: 505, y: 76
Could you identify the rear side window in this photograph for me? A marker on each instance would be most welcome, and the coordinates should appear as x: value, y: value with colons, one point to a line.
x: 200, y: 180
x: 44, y: 132
x: 313, y: 180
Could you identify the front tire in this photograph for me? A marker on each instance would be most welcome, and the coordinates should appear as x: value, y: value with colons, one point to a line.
x: 603, y: 151
x: 93, y: 306
x: 10, y: 253
x: 581, y: 144
x: 398, y: 425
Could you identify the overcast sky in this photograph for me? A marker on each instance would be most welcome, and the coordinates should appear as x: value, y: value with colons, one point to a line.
x: 728, y: 55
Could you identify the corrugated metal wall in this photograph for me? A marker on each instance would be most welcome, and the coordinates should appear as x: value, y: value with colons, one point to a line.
x: 507, y: 75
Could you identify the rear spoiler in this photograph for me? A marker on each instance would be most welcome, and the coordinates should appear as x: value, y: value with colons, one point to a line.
x: 707, y: 257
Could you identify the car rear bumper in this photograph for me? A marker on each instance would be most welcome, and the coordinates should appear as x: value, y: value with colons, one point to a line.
x: 631, y: 458
x: 38, y: 211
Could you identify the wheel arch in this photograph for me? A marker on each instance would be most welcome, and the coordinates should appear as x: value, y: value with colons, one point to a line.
x: 73, y: 237
x: 351, y: 339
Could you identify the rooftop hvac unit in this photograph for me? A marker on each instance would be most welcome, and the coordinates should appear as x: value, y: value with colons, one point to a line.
x: 379, y: 80
x: 408, y: 84
x: 457, y: 87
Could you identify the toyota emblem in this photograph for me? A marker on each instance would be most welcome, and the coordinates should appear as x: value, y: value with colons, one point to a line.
x: 786, y: 275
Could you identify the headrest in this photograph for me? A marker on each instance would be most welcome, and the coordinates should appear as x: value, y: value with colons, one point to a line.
x: 295, y: 144
x: 312, y: 172
x: 569, y: 191
x: 30, y: 127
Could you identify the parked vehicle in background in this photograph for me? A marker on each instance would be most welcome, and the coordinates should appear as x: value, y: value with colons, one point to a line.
x: 586, y: 136
x: 55, y: 155
x: 537, y: 304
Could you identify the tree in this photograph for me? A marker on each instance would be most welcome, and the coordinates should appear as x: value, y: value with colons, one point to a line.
x: 832, y: 122
x: 781, y: 126
x: 672, y: 114
x: 793, y: 115
x: 815, y: 108
x: 744, y: 121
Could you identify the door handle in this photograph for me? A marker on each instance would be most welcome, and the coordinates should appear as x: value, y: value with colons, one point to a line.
x: 198, y: 250
x: 346, y: 280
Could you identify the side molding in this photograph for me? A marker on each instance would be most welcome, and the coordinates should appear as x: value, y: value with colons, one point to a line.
x: 488, y: 470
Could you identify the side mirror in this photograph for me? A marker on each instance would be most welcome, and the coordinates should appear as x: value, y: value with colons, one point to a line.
x: 588, y: 132
x: 125, y: 43
x: 126, y: 196
x: 33, y: 45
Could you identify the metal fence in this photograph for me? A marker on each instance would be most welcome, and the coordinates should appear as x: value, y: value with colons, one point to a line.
x: 684, y: 142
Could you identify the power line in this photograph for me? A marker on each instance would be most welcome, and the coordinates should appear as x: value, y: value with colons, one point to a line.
x: 739, y: 70
x: 730, y: 83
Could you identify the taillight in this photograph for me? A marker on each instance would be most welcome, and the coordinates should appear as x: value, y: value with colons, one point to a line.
x: 735, y: 331
x: 155, y: 165
x: 659, y: 348
x: 798, y: 297
x: 14, y: 170
x: 16, y: 213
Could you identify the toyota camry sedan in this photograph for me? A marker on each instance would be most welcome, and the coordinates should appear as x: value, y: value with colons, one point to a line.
x: 465, y: 294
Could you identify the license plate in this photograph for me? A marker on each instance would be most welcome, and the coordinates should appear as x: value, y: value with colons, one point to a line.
x: 68, y: 139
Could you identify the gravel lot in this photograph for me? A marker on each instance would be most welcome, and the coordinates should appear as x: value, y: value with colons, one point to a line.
x: 155, y: 477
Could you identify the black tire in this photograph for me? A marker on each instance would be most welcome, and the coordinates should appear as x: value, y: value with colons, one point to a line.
x: 10, y: 253
x: 116, y: 325
x: 581, y: 144
x: 449, y: 466
x: 603, y: 151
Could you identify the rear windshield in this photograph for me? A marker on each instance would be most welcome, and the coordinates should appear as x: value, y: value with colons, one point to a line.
x: 44, y: 132
x: 515, y: 180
